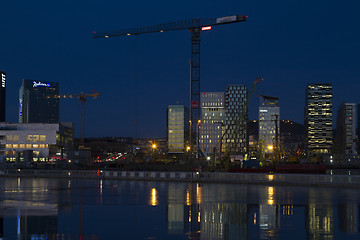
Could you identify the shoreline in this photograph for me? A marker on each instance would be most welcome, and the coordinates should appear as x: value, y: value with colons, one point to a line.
x: 199, y: 177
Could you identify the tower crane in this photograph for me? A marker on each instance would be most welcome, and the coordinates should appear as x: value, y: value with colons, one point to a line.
x: 82, y: 97
x: 195, y: 26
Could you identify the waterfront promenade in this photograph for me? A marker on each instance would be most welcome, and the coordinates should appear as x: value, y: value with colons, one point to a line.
x: 209, y: 177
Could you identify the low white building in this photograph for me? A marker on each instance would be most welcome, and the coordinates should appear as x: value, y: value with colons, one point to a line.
x: 35, y: 142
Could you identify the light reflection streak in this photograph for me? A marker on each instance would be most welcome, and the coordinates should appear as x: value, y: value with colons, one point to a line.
x: 270, y: 200
x: 198, y: 194
x: 154, y: 200
x: 188, y: 200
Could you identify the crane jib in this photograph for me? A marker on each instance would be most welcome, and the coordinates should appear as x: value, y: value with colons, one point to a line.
x: 172, y: 26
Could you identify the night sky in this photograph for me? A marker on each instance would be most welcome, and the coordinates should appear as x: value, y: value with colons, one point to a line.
x: 288, y: 43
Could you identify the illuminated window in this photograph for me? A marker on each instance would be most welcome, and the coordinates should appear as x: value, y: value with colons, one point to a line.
x: 15, y: 145
x: 42, y: 145
x: 42, y: 138
x: 28, y: 145
x: 8, y: 145
x: 22, y: 145
x: 9, y: 138
x: 35, y: 145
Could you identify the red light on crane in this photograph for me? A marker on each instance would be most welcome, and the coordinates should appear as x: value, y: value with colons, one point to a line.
x: 206, y: 28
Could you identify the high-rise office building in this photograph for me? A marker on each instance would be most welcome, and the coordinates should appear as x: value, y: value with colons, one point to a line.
x: 212, y: 120
x: 177, y: 128
x: 2, y: 96
x: 35, y: 107
x: 318, y: 119
x: 269, y: 123
x: 346, y: 129
x: 236, y: 116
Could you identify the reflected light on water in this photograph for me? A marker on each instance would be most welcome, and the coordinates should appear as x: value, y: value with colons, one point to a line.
x: 270, y: 200
x: 198, y: 194
x: 188, y: 201
x: 153, y: 199
x: 288, y: 210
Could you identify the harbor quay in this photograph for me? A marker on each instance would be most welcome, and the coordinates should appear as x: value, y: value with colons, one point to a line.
x: 200, y: 177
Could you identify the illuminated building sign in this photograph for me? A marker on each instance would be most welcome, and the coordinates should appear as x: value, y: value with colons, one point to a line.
x: 3, y: 80
x: 40, y: 84
x: 21, y: 106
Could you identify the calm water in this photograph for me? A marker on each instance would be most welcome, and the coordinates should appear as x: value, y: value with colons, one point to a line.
x: 94, y: 209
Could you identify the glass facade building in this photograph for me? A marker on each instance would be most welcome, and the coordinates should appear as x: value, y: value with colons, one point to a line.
x: 318, y: 119
x: 212, y: 120
x: 269, y: 123
x: 236, y: 116
x: 34, y: 104
x: 346, y: 129
x: 177, y: 128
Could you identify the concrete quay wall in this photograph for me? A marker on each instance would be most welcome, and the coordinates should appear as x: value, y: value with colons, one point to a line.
x: 211, y: 177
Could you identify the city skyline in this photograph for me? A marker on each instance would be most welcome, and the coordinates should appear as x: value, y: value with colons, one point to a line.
x: 289, y: 46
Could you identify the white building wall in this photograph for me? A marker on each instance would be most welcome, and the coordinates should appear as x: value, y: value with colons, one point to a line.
x: 18, y: 137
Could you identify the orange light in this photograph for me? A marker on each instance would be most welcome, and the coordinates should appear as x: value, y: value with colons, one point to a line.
x: 206, y: 28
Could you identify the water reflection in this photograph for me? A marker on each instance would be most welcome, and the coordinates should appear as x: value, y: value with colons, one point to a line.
x: 104, y: 209
x: 154, y: 197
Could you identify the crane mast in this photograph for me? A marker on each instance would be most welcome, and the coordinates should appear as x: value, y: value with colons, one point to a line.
x: 195, y: 26
x: 82, y: 97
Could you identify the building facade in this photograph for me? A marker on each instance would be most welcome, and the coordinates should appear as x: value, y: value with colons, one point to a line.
x: 35, y: 106
x: 346, y: 129
x: 236, y: 117
x: 177, y: 128
x: 3, y: 96
x: 212, y: 120
x: 269, y: 124
x: 35, y: 142
x: 318, y: 119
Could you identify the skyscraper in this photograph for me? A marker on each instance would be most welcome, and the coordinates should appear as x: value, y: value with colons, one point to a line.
x: 177, y: 128
x: 236, y: 116
x: 269, y: 123
x: 318, y: 119
x: 212, y: 119
x: 2, y: 96
x: 346, y: 129
x: 35, y: 107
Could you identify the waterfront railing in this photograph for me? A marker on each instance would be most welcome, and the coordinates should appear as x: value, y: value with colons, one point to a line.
x: 213, y: 177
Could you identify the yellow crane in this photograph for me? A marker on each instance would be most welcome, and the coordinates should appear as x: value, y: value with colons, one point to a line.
x: 82, y: 97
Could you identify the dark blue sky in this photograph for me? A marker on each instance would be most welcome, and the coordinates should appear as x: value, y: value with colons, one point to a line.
x: 288, y: 43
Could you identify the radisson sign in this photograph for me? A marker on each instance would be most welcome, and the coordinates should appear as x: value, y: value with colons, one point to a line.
x: 40, y: 84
